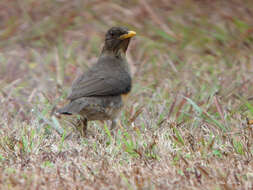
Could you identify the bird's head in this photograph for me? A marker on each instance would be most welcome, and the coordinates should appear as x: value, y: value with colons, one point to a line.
x: 117, y: 40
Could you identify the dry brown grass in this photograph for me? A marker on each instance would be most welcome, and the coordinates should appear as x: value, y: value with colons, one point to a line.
x: 187, y: 123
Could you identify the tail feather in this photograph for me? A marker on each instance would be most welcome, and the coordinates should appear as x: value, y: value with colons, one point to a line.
x: 63, y: 111
x: 73, y: 107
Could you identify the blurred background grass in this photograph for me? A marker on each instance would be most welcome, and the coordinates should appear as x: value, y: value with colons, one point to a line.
x: 187, y: 123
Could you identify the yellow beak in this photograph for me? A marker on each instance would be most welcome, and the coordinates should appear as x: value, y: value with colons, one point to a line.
x: 128, y: 35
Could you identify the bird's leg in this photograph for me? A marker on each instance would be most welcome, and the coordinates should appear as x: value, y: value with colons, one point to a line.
x: 81, y: 125
x: 103, y: 122
x: 114, y: 123
x: 84, y: 126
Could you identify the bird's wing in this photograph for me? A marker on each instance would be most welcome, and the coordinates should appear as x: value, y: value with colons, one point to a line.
x: 100, y: 82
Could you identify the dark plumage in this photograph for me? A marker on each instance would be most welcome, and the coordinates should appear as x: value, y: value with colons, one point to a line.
x: 97, y: 94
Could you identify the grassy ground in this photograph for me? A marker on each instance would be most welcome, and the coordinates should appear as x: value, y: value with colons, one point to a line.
x: 187, y: 124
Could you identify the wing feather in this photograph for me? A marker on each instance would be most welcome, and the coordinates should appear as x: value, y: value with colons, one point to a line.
x: 105, y: 81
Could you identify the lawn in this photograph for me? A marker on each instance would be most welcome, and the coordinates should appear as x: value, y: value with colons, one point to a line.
x: 188, y: 123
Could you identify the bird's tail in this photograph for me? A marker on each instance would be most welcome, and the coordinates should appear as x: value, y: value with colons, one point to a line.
x: 65, y: 110
x: 73, y: 107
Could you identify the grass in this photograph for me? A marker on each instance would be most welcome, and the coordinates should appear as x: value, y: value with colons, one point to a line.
x: 187, y: 124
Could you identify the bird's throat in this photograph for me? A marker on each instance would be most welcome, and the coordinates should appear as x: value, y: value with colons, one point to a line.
x: 118, y: 53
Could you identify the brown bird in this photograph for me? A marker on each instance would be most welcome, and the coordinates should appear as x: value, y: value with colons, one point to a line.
x: 98, y: 94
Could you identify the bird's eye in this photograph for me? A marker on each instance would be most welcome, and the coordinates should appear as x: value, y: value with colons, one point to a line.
x: 112, y: 33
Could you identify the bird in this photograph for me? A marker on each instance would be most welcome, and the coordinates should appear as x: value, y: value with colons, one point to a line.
x: 101, y: 91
